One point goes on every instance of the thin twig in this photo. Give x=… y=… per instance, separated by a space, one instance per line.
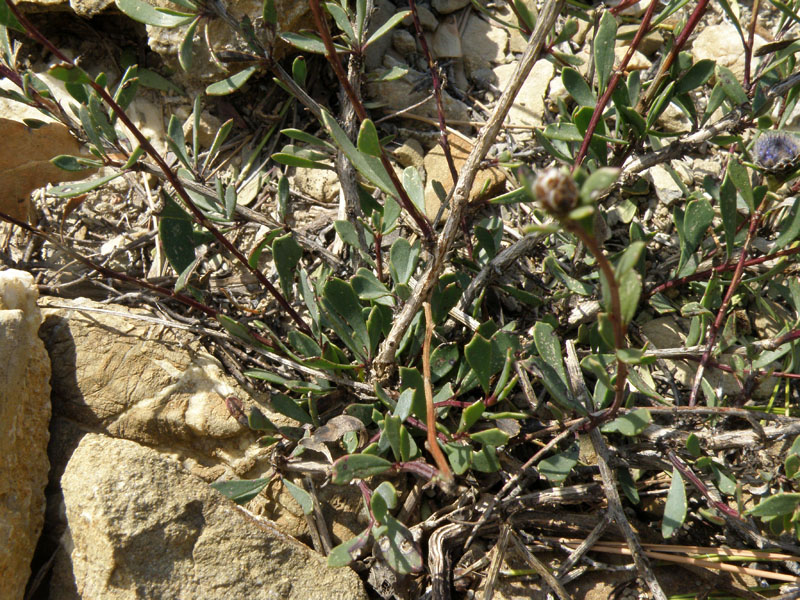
x=384 y=363
x=537 y=566
x=441 y=462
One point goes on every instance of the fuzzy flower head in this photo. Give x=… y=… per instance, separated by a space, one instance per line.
x=556 y=191
x=777 y=152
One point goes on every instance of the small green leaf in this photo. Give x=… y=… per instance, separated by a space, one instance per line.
x=460 y=457
x=630 y=290
x=629 y=424
x=470 y=415
x=257 y=421
x=305 y=42
x=69 y=74
x=345 y=553
x=549 y=348
x=241 y=491
x=697 y=75
x=789 y=227
x=185 y=53
x=443 y=358
x=731 y=86
x=479 y=356
x=412 y=183
x=287 y=407
x=302 y=497
x=177 y=236
x=74 y=163
x=368 y=141
x=485 y=460
x=557 y=467
x=740 y=178
x=779 y=504
x=598 y=182
x=403 y=259
x=347 y=232
x=287 y=254
x=604 y=48
x=232 y=83
x=675 y=508
x=358 y=466
x=344 y=300
x=693 y=445
x=268 y=12
x=149 y=15
x=387 y=26
x=577 y=87
x=397 y=546
x=493 y=437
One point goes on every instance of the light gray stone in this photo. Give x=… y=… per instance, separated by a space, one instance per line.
x=667 y=190
x=24 y=420
x=141 y=526
x=528 y=109
x=445 y=7
x=722 y=44
x=427 y=19
x=484 y=45
x=404 y=42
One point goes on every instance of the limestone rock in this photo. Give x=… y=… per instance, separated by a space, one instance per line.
x=404 y=42
x=399 y=94
x=427 y=19
x=384 y=10
x=490 y=181
x=667 y=190
x=292 y=16
x=322 y=185
x=484 y=45
x=445 y=7
x=445 y=42
x=144 y=382
x=528 y=108
x=409 y=154
x=141 y=526
x=722 y=44
x=25 y=416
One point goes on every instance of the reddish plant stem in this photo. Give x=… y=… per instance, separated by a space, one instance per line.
x=615 y=315
x=338 y=69
x=414 y=422
x=168 y=173
x=112 y=274
x=523 y=26
x=644 y=27
x=437 y=92
x=748 y=47
x=755 y=219
x=379 y=255
x=718 y=269
x=687 y=472
x=430 y=417
x=680 y=42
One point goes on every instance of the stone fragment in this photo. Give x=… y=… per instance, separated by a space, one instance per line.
x=670 y=332
x=25 y=416
x=445 y=7
x=135 y=379
x=407 y=91
x=483 y=44
x=528 y=108
x=638 y=61
x=25 y=162
x=320 y=184
x=404 y=42
x=409 y=154
x=489 y=181
x=427 y=19
x=141 y=526
x=445 y=42
x=649 y=44
x=674 y=119
x=667 y=190
x=721 y=43
x=292 y=16
x=384 y=10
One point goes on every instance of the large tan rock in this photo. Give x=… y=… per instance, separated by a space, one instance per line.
x=141 y=526
x=24 y=418
x=148 y=383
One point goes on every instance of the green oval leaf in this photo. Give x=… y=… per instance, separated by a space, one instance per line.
x=358 y=466
x=232 y=83
x=149 y=15
x=675 y=508
x=241 y=491
x=779 y=504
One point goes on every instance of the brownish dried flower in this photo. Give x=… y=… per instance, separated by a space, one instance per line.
x=556 y=191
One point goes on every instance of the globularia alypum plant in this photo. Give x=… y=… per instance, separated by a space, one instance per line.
x=458 y=375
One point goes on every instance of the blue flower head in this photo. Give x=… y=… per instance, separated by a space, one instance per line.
x=777 y=152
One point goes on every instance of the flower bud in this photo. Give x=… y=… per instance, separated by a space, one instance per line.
x=556 y=191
